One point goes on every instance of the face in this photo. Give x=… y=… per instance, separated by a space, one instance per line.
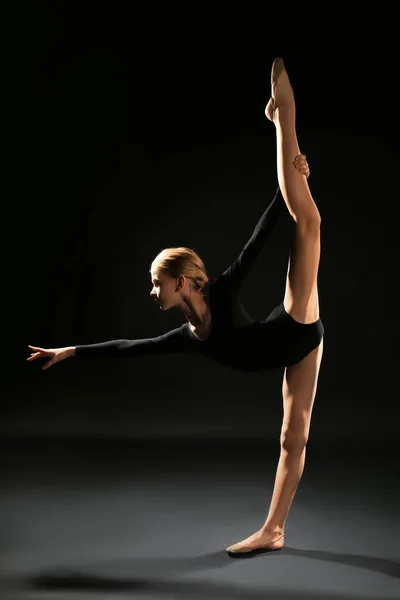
x=164 y=290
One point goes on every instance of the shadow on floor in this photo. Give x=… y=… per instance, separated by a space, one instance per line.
x=153 y=575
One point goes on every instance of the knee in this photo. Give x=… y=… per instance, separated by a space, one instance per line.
x=310 y=223
x=293 y=441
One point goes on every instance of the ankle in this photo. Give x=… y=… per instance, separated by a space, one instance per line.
x=284 y=117
x=274 y=530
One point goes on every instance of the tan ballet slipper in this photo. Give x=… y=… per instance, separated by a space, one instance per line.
x=240 y=548
x=281 y=94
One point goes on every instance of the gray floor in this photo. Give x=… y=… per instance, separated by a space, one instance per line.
x=104 y=519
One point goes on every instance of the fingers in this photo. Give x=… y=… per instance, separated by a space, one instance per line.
x=300 y=161
x=39 y=355
x=300 y=157
x=40 y=352
x=33 y=356
x=301 y=164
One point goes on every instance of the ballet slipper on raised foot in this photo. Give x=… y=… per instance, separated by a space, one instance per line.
x=255 y=546
x=280 y=94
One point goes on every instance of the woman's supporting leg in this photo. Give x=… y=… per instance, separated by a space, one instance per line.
x=298 y=390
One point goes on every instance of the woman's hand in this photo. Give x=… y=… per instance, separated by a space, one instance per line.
x=302 y=165
x=56 y=354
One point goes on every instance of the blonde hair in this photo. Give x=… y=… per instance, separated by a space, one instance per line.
x=182 y=261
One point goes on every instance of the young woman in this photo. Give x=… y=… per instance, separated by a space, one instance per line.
x=218 y=326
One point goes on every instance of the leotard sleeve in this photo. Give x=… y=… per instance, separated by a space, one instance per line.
x=235 y=274
x=171 y=341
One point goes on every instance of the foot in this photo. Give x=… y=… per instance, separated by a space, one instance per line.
x=259 y=541
x=281 y=89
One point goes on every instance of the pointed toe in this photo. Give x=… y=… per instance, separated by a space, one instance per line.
x=278 y=66
x=238 y=549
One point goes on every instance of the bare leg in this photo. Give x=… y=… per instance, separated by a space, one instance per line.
x=301 y=295
x=299 y=389
x=281 y=109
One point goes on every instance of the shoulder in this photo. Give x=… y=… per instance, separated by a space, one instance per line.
x=220 y=282
x=213 y=282
x=172 y=334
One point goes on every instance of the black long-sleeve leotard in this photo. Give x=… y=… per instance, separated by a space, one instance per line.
x=236 y=339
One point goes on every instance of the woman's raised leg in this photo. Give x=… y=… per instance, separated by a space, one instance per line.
x=301 y=294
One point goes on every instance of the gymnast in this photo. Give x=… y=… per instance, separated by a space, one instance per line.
x=217 y=325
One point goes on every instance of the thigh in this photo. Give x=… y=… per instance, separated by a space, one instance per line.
x=301 y=292
x=298 y=390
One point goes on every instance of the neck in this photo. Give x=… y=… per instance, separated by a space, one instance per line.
x=196 y=309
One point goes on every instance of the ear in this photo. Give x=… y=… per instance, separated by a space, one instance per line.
x=180 y=283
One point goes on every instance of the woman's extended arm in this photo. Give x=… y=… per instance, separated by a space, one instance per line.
x=171 y=341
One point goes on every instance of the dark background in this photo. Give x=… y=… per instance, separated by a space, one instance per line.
x=130 y=133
